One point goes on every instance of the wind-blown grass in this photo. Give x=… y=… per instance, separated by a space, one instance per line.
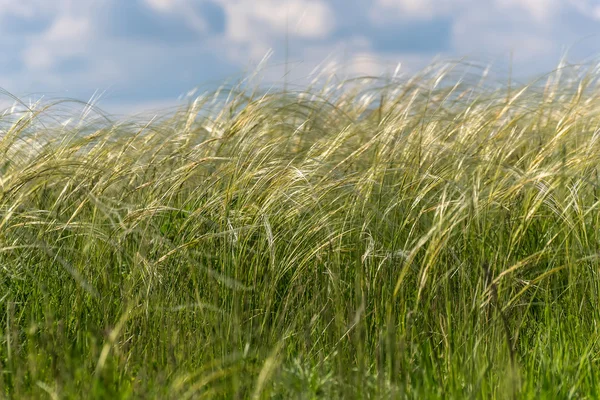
x=436 y=237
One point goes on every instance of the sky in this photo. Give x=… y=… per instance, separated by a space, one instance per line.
x=135 y=55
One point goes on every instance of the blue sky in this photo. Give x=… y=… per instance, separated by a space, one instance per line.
x=144 y=54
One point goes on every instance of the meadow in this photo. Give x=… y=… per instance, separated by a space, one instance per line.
x=432 y=236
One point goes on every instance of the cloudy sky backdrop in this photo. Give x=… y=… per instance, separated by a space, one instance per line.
x=146 y=53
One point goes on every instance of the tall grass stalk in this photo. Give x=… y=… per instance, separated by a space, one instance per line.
x=430 y=237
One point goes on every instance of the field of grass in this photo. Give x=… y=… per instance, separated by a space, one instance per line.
x=430 y=237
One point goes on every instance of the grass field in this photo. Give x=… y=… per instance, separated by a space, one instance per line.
x=430 y=237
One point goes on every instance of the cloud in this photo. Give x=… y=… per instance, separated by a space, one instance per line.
x=162 y=5
x=66 y=37
x=532 y=30
x=153 y=50
x=387 y=10
x=409 y=8
x=135 y=20
x=16 y=25
x=26 y=8
x=302 y=18
x=587 y=7
x=427 y=36
x=259 y=25
x=540 y=10
x=199 y=15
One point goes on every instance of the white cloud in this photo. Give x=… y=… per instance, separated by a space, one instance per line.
x=66 y=37
x=590 y=8
x=30 y=8
x=540 y=10
x=534 y=29
x=412 y=8
x=142 y=109
x=254 y=27
x=260 y=25
x=304 y=18
x=162 y=5
x=493 y=29
x=182 y=8
x=421 y=9
x=366 y=63
x=68 y=28
x=501 y=35
x=19 y=8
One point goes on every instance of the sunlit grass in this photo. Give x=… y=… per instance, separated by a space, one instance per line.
x=431 y=237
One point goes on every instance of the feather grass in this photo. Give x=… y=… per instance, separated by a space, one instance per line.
x=430 y=237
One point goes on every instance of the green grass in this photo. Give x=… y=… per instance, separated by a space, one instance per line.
x=436 y=237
